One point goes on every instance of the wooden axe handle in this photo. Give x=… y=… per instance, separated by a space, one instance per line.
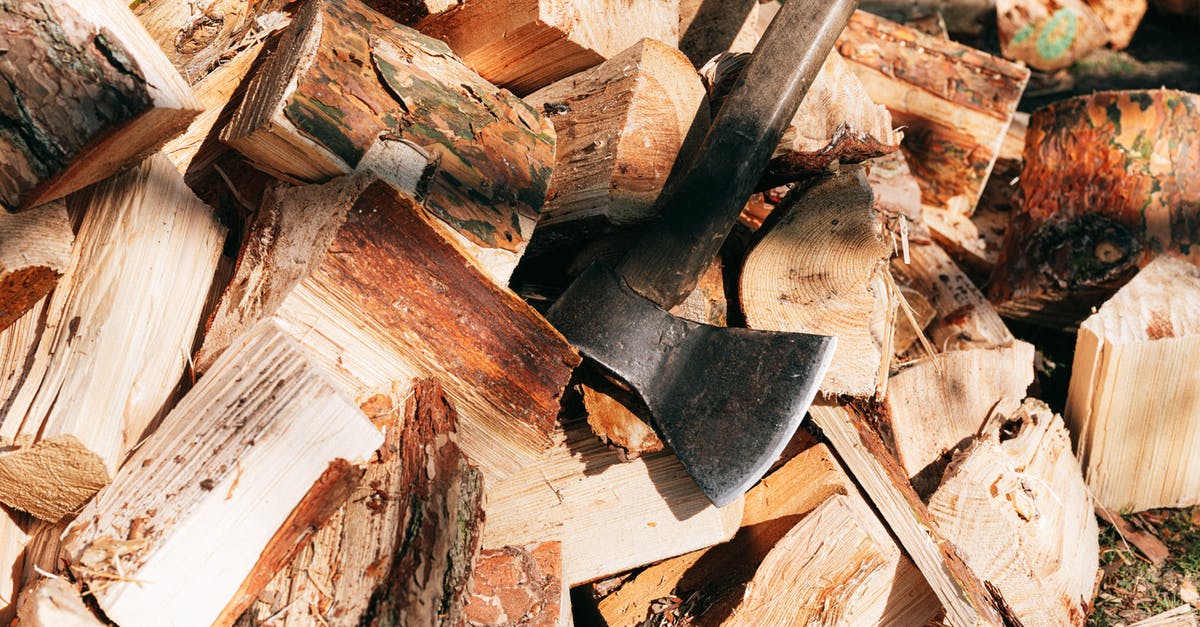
x=672 y=253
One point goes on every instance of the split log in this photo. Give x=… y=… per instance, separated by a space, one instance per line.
x=610 y=516
x=35 y=248
x=1132 y=401
x=708 y=28
x=368 y=283
x=620 y=126
x=197 y=35
x=13 y=538
x=951 y=135
x=963 y=594
x=1015 y=505
x=53 y=602
x=263 y=437
x=966 y=17
x=113 y=340
x=1108 y=184
x=1121 y=19
x=1048 y=34
x=408 y=534
x=836 y=122
x=519 y=585
x=617 y=426
x=720 y=574
x=939 y=403
x=63 y=53
x=1182 y=616
x=528 y=44
x=819 y=271
x=343 y=75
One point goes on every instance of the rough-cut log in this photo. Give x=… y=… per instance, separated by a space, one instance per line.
x=519 y=585
x=525 y=45
x=965 y=319
x=343 y=75
x=197 y=35
x=13 y=538
x=708 y=28
x=113 y=340
x=615 y=425
x=1109 y=183
x=968 y=17
x=1048 y=34
x=1120 y=17
x=719 y=574
x=60 y=56
x=836 y=122
x=954 y=103
x=1132 y=401
x=610 y=516
x=197 y=507
x=35 y=248
x=408 y=533
x=365 y=279
x=819 y=270
x=53 y=602
x=1015 y=505
x=936 y=404
x=620 y=126
x=962 y=591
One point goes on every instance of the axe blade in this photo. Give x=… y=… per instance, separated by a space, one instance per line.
x=726 y=400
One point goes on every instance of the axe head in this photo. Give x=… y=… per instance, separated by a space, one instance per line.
x=726 y=400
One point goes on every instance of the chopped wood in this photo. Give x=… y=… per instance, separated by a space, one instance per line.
x=53 y=602
x=819 y=271
x=620 y=126
x=610 y=516
x=951 y=135
x=1121 y=19
x=962 y=591
x=836 y=122
x=1108 y=184
x=494 y=153
x=1048 y=34
x=63 y=53
x=707 y=303
x=13 y=538
x=35 y=248
x=1132 y=402
x=519 y=585
x=1146 y=543
x=128 y=306
x=938 y=403
x=410 y=12
x=967 y=17
x=708 y=28
x=922 y=312
x=524 y=45
x=615 y=425
x=197 y=35
x=246 y=444
x=366 y=281
x=1015 y=505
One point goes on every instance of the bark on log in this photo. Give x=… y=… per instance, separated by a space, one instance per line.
x=246 y=444
x=113 y=340
x=1110 y=182
x=1048 y=34
x=35 y=249
x=620 y=127
x=519 y=585
x=1132 y=404
x=59 y=55
x=524 y=45
x=344 y=74
x=617 y=426
x=369 y=284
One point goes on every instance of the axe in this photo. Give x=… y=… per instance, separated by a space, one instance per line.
x=726 y=400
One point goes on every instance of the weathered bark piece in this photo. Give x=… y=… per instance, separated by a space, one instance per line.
x=1132 y=401
x=818 y=271
x=1015 y=505
x=524 y=45
x=366 y=281
x=13 y=538
x=962 y=591
x=114 y=338
x=63 y=54
x=343 y=74
x=614 y=424
x=408 y=534
x=938 y=403
x=1145 y=542
x=708 y=28
x=954 y=103
x=238 y=454
x=53 y=602
x=1109 y=183
x=519 y=585
x=35 y=248
x=1120 y=17
x=775 y=505
x=197 y=35
x=836 y=122
x=965 y=319
x=1048 y=34
x=967 y=17
x=620 y=126
x=610 y=516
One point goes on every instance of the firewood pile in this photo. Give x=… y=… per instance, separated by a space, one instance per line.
x=278 y=342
